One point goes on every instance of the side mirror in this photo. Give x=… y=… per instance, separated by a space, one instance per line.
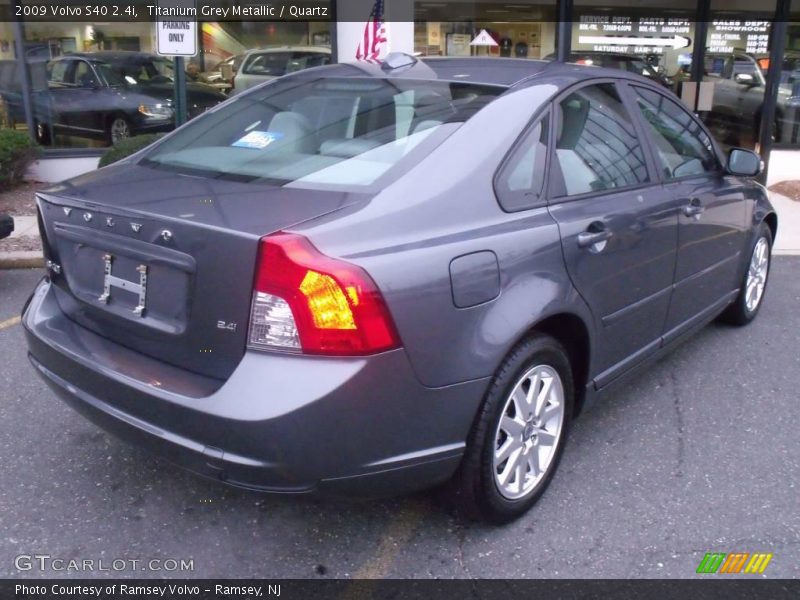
x=745 y=79
x=744 y=162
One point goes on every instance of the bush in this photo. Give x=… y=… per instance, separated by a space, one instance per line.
x=17 y=152
x=126 y=147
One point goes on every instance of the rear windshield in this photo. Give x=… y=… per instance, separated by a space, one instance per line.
x=334 y=131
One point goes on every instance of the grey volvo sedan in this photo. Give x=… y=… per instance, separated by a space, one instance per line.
x=369 y=279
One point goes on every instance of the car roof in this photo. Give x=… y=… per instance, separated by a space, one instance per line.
x=503 y=72
x=267 y=49
x=107 y=55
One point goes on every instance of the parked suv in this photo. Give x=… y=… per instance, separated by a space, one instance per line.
x=111 y=96
x=264 y=64
x=377 y=278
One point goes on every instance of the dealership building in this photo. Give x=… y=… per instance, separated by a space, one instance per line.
x=736 y=63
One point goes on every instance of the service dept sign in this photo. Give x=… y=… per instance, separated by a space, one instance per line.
x=176 y=33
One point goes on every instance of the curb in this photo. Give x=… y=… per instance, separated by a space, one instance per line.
x=22 y=259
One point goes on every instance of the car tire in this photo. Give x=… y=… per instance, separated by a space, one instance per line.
x=754 y=281
x=484 y=487
x=118 y=129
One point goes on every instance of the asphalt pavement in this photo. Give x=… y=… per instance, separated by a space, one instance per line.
x=698 y=454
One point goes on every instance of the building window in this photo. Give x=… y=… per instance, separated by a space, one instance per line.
x=519 y=30
x=94 y=84
x=787 y=109
x=656 y=42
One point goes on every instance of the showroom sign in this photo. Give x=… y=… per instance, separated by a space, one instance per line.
x=176 y=35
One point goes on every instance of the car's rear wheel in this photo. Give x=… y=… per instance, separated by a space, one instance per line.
x=754 y=283
x=517 y=441
x=118 y=129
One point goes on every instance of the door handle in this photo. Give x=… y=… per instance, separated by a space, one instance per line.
x=695 y=208
x=595 y=234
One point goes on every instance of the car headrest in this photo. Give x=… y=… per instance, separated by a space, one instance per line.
x=572 y=120
x=297 y=131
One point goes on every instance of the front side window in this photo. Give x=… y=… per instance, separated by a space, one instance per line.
x=344 y=131
x=683 y=148
x=596 y=144
x=57 y=71
x=84 y=76
x=109 y=75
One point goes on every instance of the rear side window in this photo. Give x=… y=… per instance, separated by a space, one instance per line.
x=683 y=148
x=344 y=131
x=520 y=182
x=597 y=147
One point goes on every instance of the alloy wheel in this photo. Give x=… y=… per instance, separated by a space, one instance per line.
x=757 y=275
x=119 y=130
x=529 y=432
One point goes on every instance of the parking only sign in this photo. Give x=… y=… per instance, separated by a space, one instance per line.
x=176 y=32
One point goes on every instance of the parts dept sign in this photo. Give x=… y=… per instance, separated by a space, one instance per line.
x=176 y=35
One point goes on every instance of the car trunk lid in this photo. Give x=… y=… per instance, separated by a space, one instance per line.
x=163 y=263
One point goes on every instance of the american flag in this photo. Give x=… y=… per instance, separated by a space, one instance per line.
x=369 y=49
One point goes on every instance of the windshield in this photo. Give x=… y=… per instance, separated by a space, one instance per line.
x=330 y=131
x=111 y=77
x=146 y=72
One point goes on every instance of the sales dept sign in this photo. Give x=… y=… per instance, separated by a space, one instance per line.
x=175 y=34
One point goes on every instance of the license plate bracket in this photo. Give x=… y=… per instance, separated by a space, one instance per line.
x=110 y=281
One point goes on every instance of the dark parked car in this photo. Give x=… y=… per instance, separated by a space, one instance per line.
x=156 y=75
x=739 y=86
x=6 y=226
x=112 y=95
x=371 y=279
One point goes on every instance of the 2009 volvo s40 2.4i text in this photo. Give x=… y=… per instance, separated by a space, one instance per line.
x=368 y=279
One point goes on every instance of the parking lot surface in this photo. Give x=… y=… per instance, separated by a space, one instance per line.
x=700 y=453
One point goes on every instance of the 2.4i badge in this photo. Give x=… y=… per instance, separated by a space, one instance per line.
x=110 y=280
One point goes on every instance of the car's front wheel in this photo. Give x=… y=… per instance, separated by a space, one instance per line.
x=754 y=283
x=118 y=129
x=518 y=438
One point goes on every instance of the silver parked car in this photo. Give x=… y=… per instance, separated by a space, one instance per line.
x=370 y=279
x=258 y=66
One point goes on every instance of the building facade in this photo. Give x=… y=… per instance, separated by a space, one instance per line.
x=734 y=62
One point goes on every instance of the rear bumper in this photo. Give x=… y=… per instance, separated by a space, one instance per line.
x=280 y=423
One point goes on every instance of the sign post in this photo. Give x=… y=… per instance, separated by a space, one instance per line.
x=176 y=36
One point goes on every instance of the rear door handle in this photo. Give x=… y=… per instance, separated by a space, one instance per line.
x=695 y=208
x=596 y=234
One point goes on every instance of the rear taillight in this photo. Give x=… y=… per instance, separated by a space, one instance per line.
x=308 y=302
